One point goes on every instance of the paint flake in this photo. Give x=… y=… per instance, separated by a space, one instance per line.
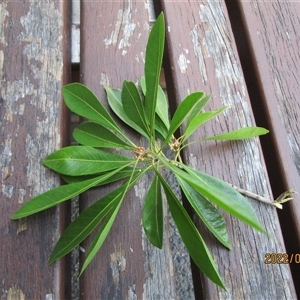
x=183 y=63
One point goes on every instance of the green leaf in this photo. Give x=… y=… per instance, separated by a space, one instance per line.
x=105 y=228
x=133 y=106
x=239 y=134
x=74 y=179
x=82 y=101
x=228 y=198
x=115 y=103
x=160 y=128
x=210 y=216
x=183 y=111
x=102 y=234
x=84 y=160
x=124 y=173
x=152 y=215
x=198 y=108
x=85 y=223
x=219 y=192
x=199 y=120
x=88 y=220
x=95 y=135
x=162 y=105
x=191 y=237
x=153 y=61
x=58 y=195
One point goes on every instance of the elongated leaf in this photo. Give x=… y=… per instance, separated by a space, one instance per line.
x=58 y=195
x=162 y=105
x=74 y=179
x=115 y=103
x=95 y=135
x=182 y=111
x=199 y=120
x=152 y=215
x=239 y=134
x=124 y=173
x=102 y=234
x=83 y=102
x=219 y=192
x=191 y=237
x=198 y=108
x=105 y=228
x=210 y=216
x=153 y=61
x=85 y=223
x=84 y=160
x=133 y=106
x=160 y=128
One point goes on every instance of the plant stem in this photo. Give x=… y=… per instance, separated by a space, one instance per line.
x=284 y=197
x=257 y=197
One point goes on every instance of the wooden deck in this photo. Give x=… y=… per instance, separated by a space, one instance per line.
x=34 y=64
x=245 y=54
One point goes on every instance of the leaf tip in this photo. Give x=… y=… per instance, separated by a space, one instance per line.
x=14 y=216
x=19 y=214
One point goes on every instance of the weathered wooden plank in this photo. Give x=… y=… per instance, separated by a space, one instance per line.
x=33 y=66
x=270 y=51
x=113 y=41
x=203 y=56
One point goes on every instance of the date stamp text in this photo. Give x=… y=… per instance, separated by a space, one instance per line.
x=282 y=258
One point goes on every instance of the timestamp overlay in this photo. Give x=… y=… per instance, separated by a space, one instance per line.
x=282 y=258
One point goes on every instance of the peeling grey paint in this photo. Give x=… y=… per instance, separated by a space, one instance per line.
x=128 y=27
x=43 y=53
x=22 y=194
x=104 y=80
x=117 y=264
x=15 y=293
x=200 y=51
x=49 y=297
x=31 y=69
x=124 y=24
x=22 y=225
x=43 y=45
x=6 y=153
x=112 y=40
x=230 y=82
x=183 y=63
x=217 y=41
x=132 y=293
x=3 y=14
x=140 y=58
x=1 y=63
x=250 y=178
x=7 y=190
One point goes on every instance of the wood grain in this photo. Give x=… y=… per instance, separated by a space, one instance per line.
x=34 y=47
x=272 y=38
x=203 y=56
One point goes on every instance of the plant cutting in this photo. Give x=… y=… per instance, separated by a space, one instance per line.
x=91 y=163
